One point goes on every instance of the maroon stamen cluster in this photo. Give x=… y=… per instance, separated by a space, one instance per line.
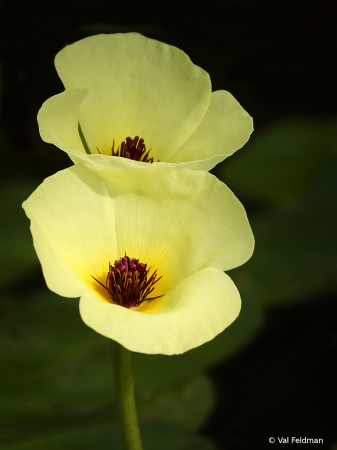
x=132 y=149
x=127 y=282
x=135 y=147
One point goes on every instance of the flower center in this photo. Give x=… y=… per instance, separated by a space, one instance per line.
x=127 y=282
x=132 y=149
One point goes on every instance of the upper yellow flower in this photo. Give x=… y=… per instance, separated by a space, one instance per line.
x=126 y=237
x=123 y=86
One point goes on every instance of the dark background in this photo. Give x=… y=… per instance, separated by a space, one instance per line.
x=279 y=60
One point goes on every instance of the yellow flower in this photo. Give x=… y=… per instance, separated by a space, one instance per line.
x=182 y=226
x=123 y=86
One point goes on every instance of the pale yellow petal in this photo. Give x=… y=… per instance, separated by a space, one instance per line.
x=137 y=86
x=178 y=221
x=225 y=128
x=185 y=224
x=58 y=119
x=73 y=226
x=59 y=277
x=203 y=164
x=96 y=163
x=191 y=313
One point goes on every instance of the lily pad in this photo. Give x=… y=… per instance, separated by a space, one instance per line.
x=279 y=163
x=296 y=246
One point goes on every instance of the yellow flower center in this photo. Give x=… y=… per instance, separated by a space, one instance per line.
x=127 y=282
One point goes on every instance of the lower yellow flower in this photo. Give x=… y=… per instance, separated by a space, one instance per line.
x=145 y=250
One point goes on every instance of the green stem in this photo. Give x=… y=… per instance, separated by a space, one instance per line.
x=84 y=142
x=124 y=387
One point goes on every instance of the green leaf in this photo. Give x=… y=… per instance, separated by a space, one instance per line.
x=187 y=405
x=68 y=376
x=107 y=437
x=67 y=368
x=280 y=162
x=296 y=247
x=17 y=254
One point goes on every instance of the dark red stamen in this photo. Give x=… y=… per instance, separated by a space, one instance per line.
x=132 y=149
x=127 y=282
x=135 y=150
